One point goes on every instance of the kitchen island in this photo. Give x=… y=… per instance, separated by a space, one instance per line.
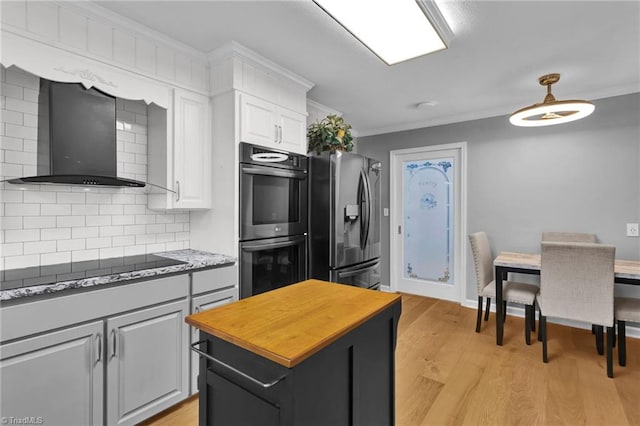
x=309 y=353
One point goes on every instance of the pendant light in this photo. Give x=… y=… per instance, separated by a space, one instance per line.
x=550 y=111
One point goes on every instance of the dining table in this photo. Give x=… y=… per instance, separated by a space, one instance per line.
x=625 y=272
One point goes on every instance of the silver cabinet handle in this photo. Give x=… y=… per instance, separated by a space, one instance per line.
x=235 y=370
x=177 y=190
x=276 y=126
x=99 y=350
x=197 y=309
x=114 y=337
x=280 y=138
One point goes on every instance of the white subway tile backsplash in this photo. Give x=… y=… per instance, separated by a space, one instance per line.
x=80 y=255
x=84 y=209
x=93 y=243
x=21 y=157
x=55 y=234
x=106 y=253
x=85 y=232
x=22 y=209
x=134 y=250
x=111 y=209
x=53 y=258
x=135 y=209
x=123 y=240
x=156 y=228
x=22 y=261
x=11 y=249
x=134 y=229
x=123 y=199
x=11 y=117
x=33 y=222
x=71 y=198
x=10 y=170
x=39 y=197
x=12 y=91
x=154 y=248
x=71 y=221
x=10 y=222
x=143 y=239
x=21 y=235
x=99 y=220
x=72 y=245
x=75 y=223
x=40 y=247
x=21 y=106
x=98 y=198
x=123 y=220
x=110 y=231
x=55 y=209
x=9 y=196
x=13 y=144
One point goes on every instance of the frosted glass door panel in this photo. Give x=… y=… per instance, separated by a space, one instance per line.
x=428 y=219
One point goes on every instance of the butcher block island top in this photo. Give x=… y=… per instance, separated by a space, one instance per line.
x=290 y=324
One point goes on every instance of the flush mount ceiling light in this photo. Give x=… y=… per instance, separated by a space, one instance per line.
x=551 y=111
x=394 y=30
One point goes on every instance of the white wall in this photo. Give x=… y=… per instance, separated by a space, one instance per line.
x=48 y=224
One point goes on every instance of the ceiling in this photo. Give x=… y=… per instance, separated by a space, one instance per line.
x=498 y=51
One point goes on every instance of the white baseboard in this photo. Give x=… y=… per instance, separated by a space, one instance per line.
x=632 y=331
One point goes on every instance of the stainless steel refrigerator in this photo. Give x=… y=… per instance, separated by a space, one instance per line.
x=344 y=219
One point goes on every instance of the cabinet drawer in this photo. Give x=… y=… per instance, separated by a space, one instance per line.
x=214 y=279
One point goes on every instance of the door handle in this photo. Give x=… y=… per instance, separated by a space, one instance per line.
x=177 y=190
x=114 y=341
x=99 y=350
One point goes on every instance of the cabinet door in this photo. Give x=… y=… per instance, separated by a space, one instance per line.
x=258 y=122
x=55 y=378
x=203 y=303
x=293 y=131
x=191 y=150
x=147 y=362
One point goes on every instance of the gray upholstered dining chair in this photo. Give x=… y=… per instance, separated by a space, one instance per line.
x=569 y=237
x=513 y=292
x=577 y=237
x=625 y=309
x=576 y=283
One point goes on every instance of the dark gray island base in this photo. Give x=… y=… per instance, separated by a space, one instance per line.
x=348 y=381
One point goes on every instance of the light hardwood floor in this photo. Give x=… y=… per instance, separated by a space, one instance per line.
x=448 y=374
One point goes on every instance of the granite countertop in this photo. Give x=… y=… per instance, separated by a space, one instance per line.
x=194 y=259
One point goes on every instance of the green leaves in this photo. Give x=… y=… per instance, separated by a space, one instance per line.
x=330 y=134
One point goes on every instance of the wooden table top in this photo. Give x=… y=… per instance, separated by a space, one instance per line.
x=291 y=323
x=623 y=268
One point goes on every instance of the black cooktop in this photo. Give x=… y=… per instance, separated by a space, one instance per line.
x=50 y=274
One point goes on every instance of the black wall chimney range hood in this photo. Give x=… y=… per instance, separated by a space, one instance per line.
x=76 y=138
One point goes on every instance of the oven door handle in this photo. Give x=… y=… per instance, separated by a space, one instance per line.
x=291 y=174
x=259 y=247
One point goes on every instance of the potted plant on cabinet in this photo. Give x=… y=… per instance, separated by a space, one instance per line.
x=330 y=134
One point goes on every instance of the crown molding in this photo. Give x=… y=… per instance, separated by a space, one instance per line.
x=233 y=49
x=322 y=108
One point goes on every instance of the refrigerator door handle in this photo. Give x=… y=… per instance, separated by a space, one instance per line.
x=359 y=270
x=367 y=193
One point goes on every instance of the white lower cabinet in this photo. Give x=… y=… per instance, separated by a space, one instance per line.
x=203 y=303
x=55 y=378
x=147 y=362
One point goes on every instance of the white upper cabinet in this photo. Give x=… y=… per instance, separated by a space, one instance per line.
x=264 y=123
x=179 y=150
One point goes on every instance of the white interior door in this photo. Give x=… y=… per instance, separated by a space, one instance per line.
x=427 y=221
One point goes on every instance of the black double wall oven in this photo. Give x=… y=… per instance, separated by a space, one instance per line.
x=273 y=219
